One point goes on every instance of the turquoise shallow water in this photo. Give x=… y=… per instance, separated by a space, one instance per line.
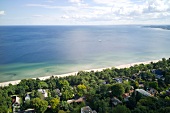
x=34 y=51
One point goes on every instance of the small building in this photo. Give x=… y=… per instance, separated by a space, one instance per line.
x=79 y=100
x=27 y=97
x=118 y=80
x=15 y=104
x=134 y=76
x=94 y=111
x=152 y=91
x=15 y=99
x=168 y=92
x=70 y=101
x=143 y=92
x=157 y=71
x=86 y=109
x=141 y=85
x=58 y=92
x=115 y=101
x=44 y=92
x=158 y=76
x=29 y=111
x=126 y=97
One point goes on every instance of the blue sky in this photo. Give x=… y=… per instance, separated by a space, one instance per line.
x=84 y=12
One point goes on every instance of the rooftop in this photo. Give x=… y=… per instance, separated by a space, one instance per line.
x=86 y=109
x=143 y=92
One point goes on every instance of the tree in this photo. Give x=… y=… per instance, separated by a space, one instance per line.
x=121 y=109
x=54 y=104
x=61 y=111
x=164 y=110
x=63 y=83
x=43 y=85
x=131 y=104
x=39 y=105
x=5 y=101
x=117 y=90
x=153 y=85
x=67 y=94
x=167 y=79
x=81 y=89
x=3 y=109
x=39 y=95
x=140 y=109
x=26 y=104
x=64 y=105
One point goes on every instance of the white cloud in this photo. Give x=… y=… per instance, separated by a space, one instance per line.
x=75 y=1
x=50 y=1
x=2 y=12
x=65 y=17
x=112 y=2
x=111 y=10
x=158 y=5
x=37 y=15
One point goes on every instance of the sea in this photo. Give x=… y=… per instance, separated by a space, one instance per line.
x=36 y=51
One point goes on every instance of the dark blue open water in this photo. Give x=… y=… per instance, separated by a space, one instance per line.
x=33 y=51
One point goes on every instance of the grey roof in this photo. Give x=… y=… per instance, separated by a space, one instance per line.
x=116 y=101
x=143 y=92
x=119 y=80
x=86 y=109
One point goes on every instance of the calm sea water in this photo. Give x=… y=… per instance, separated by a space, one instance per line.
x=33 y=51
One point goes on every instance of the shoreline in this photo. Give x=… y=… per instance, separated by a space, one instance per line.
x=15 y=82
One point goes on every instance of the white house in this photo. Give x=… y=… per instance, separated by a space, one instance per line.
x=44 y=92
x=27 y=97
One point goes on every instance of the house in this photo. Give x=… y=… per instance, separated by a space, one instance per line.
x=29 y=111
x=27 y=97
x=15 y=99
x=126 y=79
x=152 y=91
x=94 y=111
x=141 y=85
x=115 y=101
x=87 y=109
x=15 y=104
x=44 y=92
x=158 y=76
x=143 y=92
x=81 y=99
x=134 y=76
x=118 y=80
x=168 y=92
x=58 y=92
x=126 y=96
x=70 y=101
x=157 y=71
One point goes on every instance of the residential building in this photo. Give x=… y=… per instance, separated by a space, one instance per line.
x=86 y=109
x=115 y=101
x=143 y=92
x=27 y=97
x=44 y=92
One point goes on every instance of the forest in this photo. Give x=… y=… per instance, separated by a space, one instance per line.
x=109 y=91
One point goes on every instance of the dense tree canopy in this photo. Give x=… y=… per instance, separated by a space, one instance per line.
x=117 y=90
x=54 y=104
x=39 y=105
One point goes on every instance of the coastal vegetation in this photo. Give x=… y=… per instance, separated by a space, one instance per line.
x=138 y=89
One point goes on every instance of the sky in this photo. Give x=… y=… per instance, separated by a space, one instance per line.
x=84 y=12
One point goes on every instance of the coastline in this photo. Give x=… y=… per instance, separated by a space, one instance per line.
x=15 y=82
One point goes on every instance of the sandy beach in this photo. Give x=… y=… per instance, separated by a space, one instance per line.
x=75 y=73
